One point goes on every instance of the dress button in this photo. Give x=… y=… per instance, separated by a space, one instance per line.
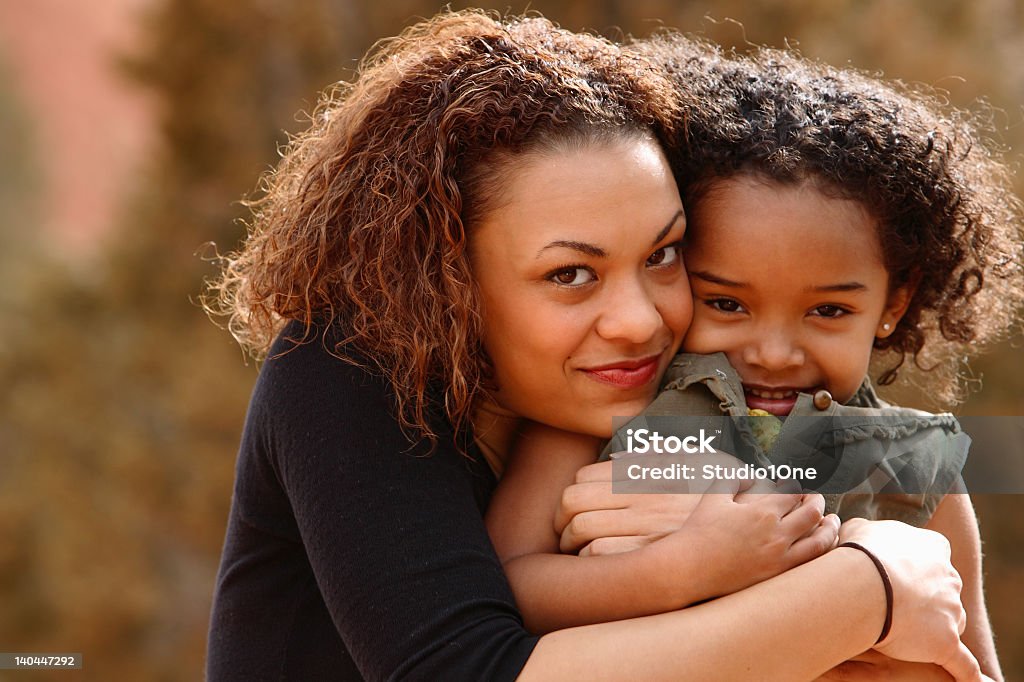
x=822 y=400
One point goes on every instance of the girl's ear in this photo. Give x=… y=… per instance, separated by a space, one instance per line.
x=896 y=306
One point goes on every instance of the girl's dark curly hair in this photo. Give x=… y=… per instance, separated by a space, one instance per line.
x=364 y=222
x=947 y=216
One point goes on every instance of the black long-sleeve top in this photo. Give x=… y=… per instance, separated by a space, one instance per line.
x=351 y=554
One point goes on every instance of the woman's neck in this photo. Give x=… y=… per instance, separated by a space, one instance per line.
x=495 y=430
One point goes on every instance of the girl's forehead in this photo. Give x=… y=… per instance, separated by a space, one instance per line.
x=781 y=210
x=748 y=225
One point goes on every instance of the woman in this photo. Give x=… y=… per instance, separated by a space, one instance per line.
x=407 y=349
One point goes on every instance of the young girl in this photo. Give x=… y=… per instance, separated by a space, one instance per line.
x=834 y=222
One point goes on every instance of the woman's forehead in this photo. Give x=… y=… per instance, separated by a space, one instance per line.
x=578 y=195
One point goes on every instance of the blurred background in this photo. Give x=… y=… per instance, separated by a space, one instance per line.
x=130 y=129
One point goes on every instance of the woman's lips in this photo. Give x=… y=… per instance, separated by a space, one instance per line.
x=626 y=374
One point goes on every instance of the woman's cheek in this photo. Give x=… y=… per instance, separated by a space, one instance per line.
x=676 y=308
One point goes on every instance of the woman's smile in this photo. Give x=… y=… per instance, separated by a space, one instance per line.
x=628 y=373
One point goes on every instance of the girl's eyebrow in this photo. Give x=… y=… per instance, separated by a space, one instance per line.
x=844 y=286
x=715 y=279
x=597 y=251
x=721 y=281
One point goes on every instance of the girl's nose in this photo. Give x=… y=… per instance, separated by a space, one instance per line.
x=774 y=350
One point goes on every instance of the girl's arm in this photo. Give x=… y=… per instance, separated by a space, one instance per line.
x=723 y=547
x=955 y=519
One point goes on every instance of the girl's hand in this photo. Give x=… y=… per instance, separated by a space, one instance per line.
x=593 y=520
x=748 y=542
x=748 y=537
x=927 y=617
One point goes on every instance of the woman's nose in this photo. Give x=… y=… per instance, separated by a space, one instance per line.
x=630 y=314
x=774 y=350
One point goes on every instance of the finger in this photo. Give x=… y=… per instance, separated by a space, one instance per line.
x=599 y=471
x=722 y=486
x=614 y=545
x=779 y=503
x=589 y=526
x=802 y=520
x=751 y=485
x=817 y=502
x=788 y=486
x=816 y=543
x=834 y=518
x=759 y=487
x=583 y=497
x=963 y=666
x=850 y=529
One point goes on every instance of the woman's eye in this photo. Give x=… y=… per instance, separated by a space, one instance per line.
x=572 y=277
x=725 y=305
x=666 y=255
x=830 y=311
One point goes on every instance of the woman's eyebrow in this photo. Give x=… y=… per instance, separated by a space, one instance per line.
x=597 y=251
x=582 y=247
x=665 y=230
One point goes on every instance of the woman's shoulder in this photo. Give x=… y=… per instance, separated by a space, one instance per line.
x=310 y=366
x=316 y=396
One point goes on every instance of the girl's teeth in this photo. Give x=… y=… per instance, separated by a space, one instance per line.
x=773 y=395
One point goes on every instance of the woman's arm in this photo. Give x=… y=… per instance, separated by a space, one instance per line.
x=347 y=541
x=955 y=519
x=792 y=627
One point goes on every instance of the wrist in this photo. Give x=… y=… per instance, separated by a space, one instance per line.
x=865 y=574
x=886 y=586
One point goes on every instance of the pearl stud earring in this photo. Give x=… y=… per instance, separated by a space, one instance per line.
x=886 y=326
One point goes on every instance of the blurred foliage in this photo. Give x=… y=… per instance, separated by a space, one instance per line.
x=123 y=404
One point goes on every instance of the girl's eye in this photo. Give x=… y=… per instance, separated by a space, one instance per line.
x=666 y=255
x=725 y=305
x=830 y=311
x=572 y=277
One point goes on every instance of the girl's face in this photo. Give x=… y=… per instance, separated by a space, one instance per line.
x=584 y=294
x=790 y=284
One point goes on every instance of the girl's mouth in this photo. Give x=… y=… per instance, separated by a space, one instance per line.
x=774 y=400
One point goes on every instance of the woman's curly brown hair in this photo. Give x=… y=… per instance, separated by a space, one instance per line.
x=942 y=198
x=364 y=222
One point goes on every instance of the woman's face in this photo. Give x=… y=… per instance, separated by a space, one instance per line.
x=585 y=298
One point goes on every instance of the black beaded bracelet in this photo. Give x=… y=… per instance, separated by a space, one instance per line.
x=886 y=583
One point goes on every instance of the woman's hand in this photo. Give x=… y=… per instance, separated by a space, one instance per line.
x=873 y=666
x=927 y=616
